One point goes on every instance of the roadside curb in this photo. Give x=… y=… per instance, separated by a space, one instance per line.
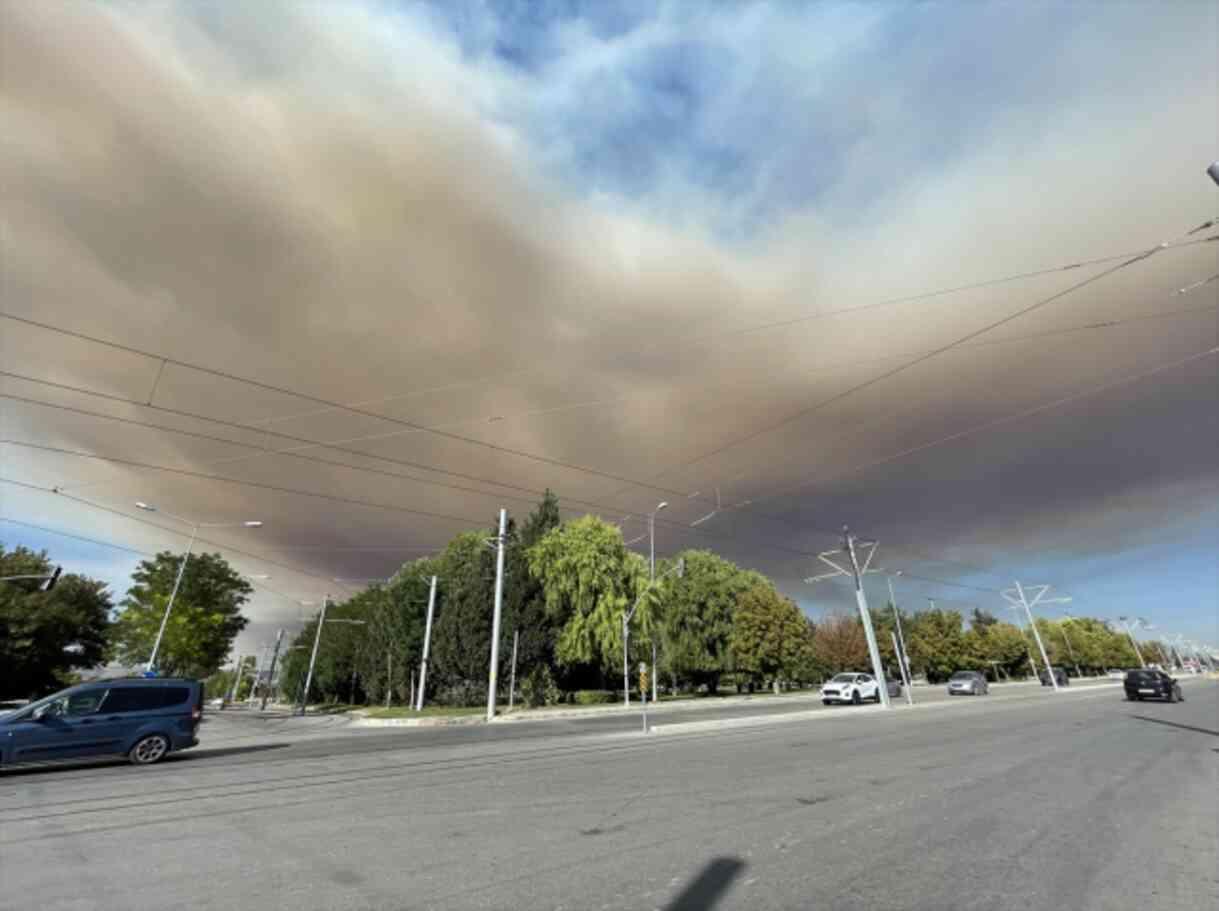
x=688 y=727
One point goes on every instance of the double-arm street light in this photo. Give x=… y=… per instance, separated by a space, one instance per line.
x=194 y=533
x=49 y=578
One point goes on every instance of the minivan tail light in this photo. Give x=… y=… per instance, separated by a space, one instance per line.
x=196 y=713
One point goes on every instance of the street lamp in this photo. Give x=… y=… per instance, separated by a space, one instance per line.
x=679 y=569
x=49 y=578
x=194 y=526
x=652 y=577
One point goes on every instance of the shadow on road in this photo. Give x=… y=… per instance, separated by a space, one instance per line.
x=1174 y=724
x=706 y=889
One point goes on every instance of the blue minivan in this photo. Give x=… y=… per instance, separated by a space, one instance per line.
x=142 y=719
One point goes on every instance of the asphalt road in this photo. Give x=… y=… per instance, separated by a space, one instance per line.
x=1024 y=801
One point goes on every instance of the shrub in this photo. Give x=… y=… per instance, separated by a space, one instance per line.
x=539 y=689
x=594 y=697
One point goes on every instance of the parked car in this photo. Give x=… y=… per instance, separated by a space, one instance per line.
x=1115 y=674
x=142 y=719
x=1152 y=684
x=854 y=688
x=1060 y=677
x=968 y=683
x=893 y=686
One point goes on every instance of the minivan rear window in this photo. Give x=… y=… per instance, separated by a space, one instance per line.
x=174 y=695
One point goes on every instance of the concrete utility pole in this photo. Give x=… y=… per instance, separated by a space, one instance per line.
x=266 y=694
x=317 y=640
x=1016 y=597
x=493 y=672
x=516 y=638
x=389 y=675
x=427 y=644
x=850 y=546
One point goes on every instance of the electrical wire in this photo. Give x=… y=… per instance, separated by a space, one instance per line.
x=558 y=463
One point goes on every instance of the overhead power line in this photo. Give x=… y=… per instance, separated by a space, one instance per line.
x=131 y=550
x=507 y=450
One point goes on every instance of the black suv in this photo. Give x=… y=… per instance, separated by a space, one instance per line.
x=1152 y=684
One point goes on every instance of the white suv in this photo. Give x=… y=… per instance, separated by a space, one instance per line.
x=853 y=688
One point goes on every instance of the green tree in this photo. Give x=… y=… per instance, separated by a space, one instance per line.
x=461 y=632
x=981 y=619
x=999 y=648
x=770 y=636
x=696 y=629
x=525 y=611
x=589 y=579
x=936 y=641
x=206 y=615
x=46 y=636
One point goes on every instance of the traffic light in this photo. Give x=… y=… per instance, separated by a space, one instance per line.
x=53 y=579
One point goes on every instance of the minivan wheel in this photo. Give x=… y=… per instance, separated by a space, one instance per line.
x=149 y=749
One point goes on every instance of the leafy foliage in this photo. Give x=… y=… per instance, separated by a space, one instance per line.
x=696 y=629
x=206 y=615
x=587 y=577
x=770 y=636
x=45 y=636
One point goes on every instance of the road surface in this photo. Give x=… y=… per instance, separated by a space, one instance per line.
x=1023 y=800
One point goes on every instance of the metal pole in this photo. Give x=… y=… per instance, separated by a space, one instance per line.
x=1134 y=642
x=493 y=672
x=389 y=675
x=899 y=646
x=231 y=696
x=1071 y=651
x=412 y=700
x=901 y=669
x=516 y=637
x=1049 y=668
x=317 y=639
x=626 y=667
x=266 y=694
x=861 y=598
x=651 y=582
x=156 y=646
x=427 y=644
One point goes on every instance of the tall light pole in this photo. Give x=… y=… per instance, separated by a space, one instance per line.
x=678 y=570
x=194 y=533
x=266 y=693
x=1126 y=625
x=1067 y=639
x=903 y=663
x=652 y=577
x=493 y=671
x=850 y=547
x=427 y=645
x=1017 y=598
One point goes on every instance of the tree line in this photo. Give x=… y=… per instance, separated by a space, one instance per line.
x=567 y=586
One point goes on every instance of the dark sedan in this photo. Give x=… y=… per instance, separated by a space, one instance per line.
x=1152 y=684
